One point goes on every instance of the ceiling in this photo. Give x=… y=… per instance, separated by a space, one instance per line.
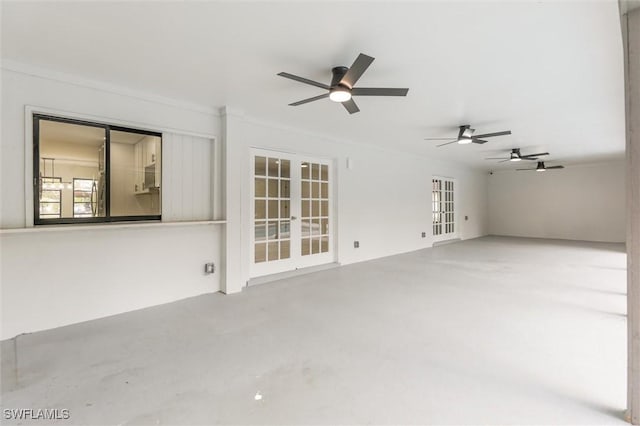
x=551 y=71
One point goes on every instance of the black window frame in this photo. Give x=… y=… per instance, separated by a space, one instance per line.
x=84 y=220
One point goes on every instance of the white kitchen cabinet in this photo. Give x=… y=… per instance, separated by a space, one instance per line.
x=147 y=155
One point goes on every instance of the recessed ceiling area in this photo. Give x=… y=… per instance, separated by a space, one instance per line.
x=549 y=71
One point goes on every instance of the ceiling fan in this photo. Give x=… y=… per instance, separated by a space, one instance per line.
x=516 y=156
x=465 y=136
x=541 y=167
x=341 y=88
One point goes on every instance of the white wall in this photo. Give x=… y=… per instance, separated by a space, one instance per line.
x=54 y=278
x=383 y=201
x=582 y=202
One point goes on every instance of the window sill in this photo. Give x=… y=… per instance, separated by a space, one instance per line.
x=100 y=226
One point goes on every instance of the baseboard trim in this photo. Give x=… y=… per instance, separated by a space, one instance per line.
x=445 y=242
x=288 y=274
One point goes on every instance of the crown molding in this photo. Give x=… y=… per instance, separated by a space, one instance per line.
x=53 y=75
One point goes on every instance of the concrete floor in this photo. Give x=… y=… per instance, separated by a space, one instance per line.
x=487 y=331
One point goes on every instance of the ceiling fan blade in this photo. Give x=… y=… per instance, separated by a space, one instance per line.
x=378 y=91
x=474 y=140
x=497 y=158
x=524 y=169
x=306 y=101
x=351 y=106
x=529 y=158
x=491 y=135
x=443 y=144
x=439 y=139
x=555 y=167
x=358 y=68
x=504 y=161
x=303 y=80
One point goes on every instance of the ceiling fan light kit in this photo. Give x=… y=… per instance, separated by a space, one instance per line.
x=340 y=94
x=342 y=85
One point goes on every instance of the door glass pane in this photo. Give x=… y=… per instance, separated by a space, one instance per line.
x=273 y=202
x=272 y=230
x=284 y=209
x=285 y=249
x=284 y=188
x=443 y=207
x=273 y=188
x=324 y=228
x=51 y=198
x=273 y=167
x=324 y=172
x=324 y=211
x=306 y=227
x=285 y=229
x=273 y=208
x=324 y=190
x=324 y=244
x=314 y=209
x=84 y=197
x=285 y=166
x=261 y=209
x=305 y=189
x=273 y=251
x=306 y=246
x=260 y=254
x=261 y=166
x=261 y=187
x=260 y=231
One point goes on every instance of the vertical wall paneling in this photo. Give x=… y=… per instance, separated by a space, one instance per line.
x=187 y=170
x=187 y=173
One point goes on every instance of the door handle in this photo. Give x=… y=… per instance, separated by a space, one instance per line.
x=293 y=218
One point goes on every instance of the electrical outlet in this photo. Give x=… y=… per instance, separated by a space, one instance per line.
x=424 y=235
x=356 y=244
x=209 y=268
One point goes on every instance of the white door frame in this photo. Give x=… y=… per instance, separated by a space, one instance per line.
x=444 y=236
x=296 y=260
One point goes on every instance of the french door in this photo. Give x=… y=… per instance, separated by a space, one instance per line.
x=443 y=206
x=291 y=211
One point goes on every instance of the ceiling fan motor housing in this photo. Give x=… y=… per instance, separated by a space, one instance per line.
x=338 y=73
